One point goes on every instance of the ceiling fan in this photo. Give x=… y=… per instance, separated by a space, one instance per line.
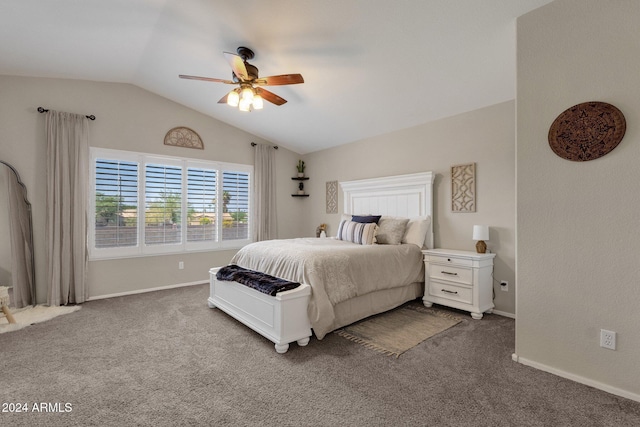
x=249 y=93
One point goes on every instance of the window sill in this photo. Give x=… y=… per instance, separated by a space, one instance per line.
x=93 y=258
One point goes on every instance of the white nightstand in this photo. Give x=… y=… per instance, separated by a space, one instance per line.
x=459 y=279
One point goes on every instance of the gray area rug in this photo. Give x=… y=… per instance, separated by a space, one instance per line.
x=396 y=331
x=166 y=359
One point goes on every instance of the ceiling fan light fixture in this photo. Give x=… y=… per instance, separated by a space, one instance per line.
x=233 y=98
x=258 y=104
x=247 y=93
x=244 y=105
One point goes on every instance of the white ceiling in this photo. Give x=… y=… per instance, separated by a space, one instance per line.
x=370 y=66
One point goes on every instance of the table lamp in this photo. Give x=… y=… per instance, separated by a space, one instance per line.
x=481 y=233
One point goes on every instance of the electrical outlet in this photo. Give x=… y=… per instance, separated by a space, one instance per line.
x=181 y=265
x=504 y=286
x=607 y=339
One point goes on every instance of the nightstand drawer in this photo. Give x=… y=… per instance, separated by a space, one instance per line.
x=449 y=260
x=450 y=272
x=451 y=292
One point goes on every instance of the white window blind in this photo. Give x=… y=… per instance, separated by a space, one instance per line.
x=201 y=205
x=163 y=204
x=145 y=204
x=235 y=205
x=116 y=203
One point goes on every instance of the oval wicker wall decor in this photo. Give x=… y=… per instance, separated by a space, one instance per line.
x=587 y=131
x=183 y=137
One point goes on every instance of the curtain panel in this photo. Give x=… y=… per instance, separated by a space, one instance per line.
x=66 y=202
x=265 y=222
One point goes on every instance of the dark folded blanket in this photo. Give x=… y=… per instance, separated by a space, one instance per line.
x=254 y=279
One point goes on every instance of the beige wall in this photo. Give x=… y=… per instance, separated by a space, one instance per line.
x=128 y=118
x=578 y=238
x=484 y=136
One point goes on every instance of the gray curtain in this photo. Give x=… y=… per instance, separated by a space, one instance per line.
x=66 y=223
x=265 y=195
x=20 y=237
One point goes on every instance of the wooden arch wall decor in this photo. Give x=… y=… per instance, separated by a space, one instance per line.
x=183 y=137
x=587 y=131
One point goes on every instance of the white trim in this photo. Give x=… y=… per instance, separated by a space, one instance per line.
x=144 y=291
x=141 y=249
x=576 y=378
x=504 y=314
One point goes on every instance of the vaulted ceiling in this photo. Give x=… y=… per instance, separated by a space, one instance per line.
x=370 y=66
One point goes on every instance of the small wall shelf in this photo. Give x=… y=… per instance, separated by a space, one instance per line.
x=300 y=186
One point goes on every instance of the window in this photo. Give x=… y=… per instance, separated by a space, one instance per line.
x=116 y=203
x=144 y=204
x=163 y=204
x=202 y=205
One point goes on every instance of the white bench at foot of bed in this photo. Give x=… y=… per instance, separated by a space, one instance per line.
x=282 y=319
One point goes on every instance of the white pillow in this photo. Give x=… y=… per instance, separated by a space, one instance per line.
x=357 y=232
x=416 y=230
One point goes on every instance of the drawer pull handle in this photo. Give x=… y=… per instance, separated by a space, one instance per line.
x=450 y=274
x=449 y=292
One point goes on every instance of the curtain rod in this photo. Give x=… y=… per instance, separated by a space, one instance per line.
x=44 y=110
x=253 y=144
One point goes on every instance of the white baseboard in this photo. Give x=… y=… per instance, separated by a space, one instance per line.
x=504 y=314
x=577 y=378
x=143 y=291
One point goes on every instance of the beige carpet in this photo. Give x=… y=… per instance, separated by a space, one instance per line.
x=396 y=331
x=31 y=315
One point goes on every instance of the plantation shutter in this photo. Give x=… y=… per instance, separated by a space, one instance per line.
x=116 y=203
x=235 y=205
x=163 y=204
x=201 y=205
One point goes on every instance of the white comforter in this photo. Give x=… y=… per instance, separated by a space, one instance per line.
x=336 y=270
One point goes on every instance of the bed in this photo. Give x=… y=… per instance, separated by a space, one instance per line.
x=348 y=280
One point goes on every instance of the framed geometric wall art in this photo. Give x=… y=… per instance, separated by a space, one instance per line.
x=463 y=188
x=332 y=197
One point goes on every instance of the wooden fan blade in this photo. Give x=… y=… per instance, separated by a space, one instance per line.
x=270 y=96
x=283 y=79
x=237 y=65
x=207 y=79
x=223 y=100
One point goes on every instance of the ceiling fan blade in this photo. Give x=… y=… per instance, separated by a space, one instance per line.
x=283 y=79
x=206 y=79
x=237 y=65
x=223 y=100
x=270 y=96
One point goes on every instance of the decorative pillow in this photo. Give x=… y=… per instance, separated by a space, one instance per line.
x=416 y=230
x=391 y=230
x=366 y=218
x=357 y=232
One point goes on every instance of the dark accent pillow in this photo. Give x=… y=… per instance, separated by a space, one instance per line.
x=366 y=218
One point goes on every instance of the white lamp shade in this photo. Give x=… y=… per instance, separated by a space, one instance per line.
x=244 y=105
x=257 y=102
x=233 y=98
x=480 y=232
x=247 y=93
